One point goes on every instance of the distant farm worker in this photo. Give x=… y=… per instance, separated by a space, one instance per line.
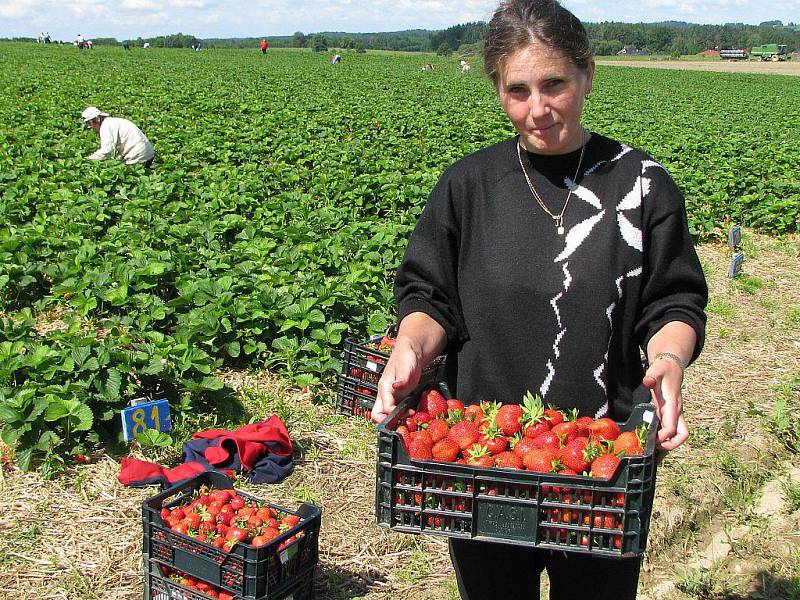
x=336 y=59
x=549 y=262
x=264 y=46
x=119 y=138
x=465 y=66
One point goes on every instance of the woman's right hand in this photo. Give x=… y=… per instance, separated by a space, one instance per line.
x=399 y=379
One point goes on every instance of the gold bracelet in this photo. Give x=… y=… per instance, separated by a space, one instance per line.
x=675 y=357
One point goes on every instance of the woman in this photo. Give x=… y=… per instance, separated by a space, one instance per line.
x=548 y=263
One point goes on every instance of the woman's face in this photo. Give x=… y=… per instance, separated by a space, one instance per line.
x=542 y=93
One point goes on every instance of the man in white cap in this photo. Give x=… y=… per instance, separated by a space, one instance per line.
x=118 y=138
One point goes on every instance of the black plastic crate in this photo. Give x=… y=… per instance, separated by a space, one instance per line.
x=365 y=364
x=247 y=571
x=159 y=586
x=561 y=512
x=354 y=397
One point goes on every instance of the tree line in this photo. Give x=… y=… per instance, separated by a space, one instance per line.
x=671 y=37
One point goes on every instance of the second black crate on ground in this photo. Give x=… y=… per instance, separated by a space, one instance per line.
x=249 y=572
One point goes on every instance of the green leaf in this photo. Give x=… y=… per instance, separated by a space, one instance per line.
x=78 y=415
x=113 y=383
x=233 y=349
x=151 y=438
x=378 y=324
x=211 y=383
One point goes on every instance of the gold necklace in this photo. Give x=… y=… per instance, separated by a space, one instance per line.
x=559 y=218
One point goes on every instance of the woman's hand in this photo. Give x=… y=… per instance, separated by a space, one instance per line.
x=664 y=379
x=420 y=339
x=399 y=379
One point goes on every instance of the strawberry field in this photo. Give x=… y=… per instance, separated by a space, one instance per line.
x=282 y=197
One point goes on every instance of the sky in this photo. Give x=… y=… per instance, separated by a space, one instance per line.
x=128 y=19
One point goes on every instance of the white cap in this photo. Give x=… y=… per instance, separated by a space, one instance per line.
x=92 y=112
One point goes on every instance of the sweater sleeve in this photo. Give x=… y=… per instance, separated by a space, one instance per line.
x=674 y=287
x=427 y=279
x=107 y=145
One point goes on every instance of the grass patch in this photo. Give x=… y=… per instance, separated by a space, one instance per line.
x=415 y=569
x=702 y=583
x=749 y=283
x=793 y=316
x=721 y=308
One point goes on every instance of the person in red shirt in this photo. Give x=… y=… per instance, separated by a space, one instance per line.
x=263 y=46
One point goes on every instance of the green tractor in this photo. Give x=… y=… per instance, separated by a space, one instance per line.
x=773 y=52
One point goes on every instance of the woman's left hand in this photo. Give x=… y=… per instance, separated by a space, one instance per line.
x=664 y=378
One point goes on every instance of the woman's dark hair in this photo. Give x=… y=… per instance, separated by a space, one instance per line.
x=517 y=23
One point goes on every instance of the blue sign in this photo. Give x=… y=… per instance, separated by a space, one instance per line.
x=735 y=237
x=146 y=415
x=736 y=265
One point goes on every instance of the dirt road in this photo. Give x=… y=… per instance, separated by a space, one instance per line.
x=783 y=68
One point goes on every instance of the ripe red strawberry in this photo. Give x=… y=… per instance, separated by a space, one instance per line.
x=419 y=450
x=548 y=439
x=553 y=415
x=433 y=403
x=465 y=433
x=494 y=439
x=541 y=460
x=508 y=460
x=507 y=419
x=568 y=471
x=533 y=421
x=583 y=426
x=604 y=429
x=578 y=454
x=473 y=412
x=522 y=445
x=479 y=456
x=422 y=435
x=566 y=431
x=604 y=466
x=631 y=442
x=454 y=404
x=446 y=450
x=438 y=429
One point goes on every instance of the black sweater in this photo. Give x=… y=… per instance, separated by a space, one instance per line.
x=565 y=316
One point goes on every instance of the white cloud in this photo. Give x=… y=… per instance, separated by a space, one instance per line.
x=18 y=9
x=139 y=4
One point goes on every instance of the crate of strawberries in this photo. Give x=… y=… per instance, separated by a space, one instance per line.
x=166 y=583
x=522 y=474
x=241 y=545
x=362 y=367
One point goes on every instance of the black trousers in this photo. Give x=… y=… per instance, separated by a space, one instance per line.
x=487 y=571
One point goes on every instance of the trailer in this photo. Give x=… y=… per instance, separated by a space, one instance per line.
x=773 y=52
x=733 y=54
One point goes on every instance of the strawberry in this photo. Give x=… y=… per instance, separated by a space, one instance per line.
x=508 y=460
x=445 y=450
x=568 y=471
x=490 y=409
x=553 y=415
x=604 y=429
x=438 y=429
x=494 y=439
x=464 y=433
x=578 y=454
x=419 y=450
x=631 y=442
x=479 y=456
x=566 y=431
x=583 y=426
x=423 y=435
x=541 y=460
x=604 y=466
x=522 y=445
x=547 y=439
x=533 y=421
x=472 y=412
x=508 y=417
x=433 y=403
x=454 y=404
x=422 y=417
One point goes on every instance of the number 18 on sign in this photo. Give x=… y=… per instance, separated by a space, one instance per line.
x=145 y=415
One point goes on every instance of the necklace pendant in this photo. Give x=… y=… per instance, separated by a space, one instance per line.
x=560 y=230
